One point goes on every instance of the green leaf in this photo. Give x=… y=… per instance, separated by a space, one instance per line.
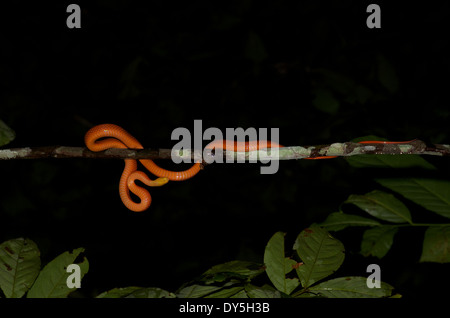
x=433 y=195
x=325 y=101
x=338 y=221
x=118 y=292
x=378 y=241
x=196 y=291
x=307 y=294
x=6 y=134
x=436 y=245
x=362 y=94
x=389 y=161
x=226 y=292
x=277 y=265
x=241 y=294
x=235 y=269
x=19 y=266
x=381 y=205
x=351 y=287
x=136 y=292
x=52 y=280
x=265 y=291
x=151 y=292
x=320 y=253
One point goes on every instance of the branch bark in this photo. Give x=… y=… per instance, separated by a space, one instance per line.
x=345 y=149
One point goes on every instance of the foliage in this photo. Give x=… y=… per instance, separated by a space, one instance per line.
x=431 y=194
x=6 y=134
x=318 y=255
x=20 y=271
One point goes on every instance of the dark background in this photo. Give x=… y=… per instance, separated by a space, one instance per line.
x=310 y=68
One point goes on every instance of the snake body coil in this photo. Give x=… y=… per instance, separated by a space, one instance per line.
x=108 y=136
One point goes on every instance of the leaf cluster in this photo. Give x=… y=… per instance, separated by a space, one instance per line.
x=317 y=256
x=388 y=213
x=21 y=273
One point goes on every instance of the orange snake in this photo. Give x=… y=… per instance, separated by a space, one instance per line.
x=117 y=137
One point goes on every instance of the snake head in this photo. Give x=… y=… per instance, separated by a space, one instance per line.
x=159 y=182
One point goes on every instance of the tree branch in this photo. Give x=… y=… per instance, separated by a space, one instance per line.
x=345 y=149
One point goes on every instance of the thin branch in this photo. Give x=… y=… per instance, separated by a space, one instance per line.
x=82 y=152
x=346 y=149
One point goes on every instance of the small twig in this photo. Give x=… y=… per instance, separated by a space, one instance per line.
x=345 y=149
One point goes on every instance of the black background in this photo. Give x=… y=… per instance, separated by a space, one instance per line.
x=153 y=67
